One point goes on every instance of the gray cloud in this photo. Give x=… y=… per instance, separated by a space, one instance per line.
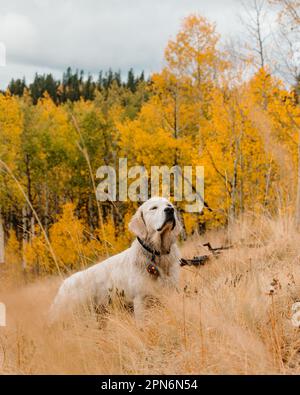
x=44 y=35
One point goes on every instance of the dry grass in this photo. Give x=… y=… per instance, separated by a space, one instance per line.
x=225 y=321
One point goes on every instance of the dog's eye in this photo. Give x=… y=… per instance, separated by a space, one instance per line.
x=153 y=208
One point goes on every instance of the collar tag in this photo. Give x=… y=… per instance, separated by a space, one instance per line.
x=153 y=270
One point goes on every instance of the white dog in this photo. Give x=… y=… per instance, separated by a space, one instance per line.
x=150 y=264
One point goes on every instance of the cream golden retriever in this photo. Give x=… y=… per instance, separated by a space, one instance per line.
x=151 y=263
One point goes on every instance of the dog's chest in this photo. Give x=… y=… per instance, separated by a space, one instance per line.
x=165 y=272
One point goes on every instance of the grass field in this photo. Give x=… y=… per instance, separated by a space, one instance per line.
x=232 y=316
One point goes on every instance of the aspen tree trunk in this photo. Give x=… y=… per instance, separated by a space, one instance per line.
x=29 y=192
x=176 y=123
x=232 y=211
x=268 y=182
x=32 y=228
x=2 y=245
x=46 y=210
x=24 y=237
x=298 y=186
x=242 y=183
x=90 y=214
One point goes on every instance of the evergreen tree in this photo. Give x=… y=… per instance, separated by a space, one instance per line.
x=131 y=83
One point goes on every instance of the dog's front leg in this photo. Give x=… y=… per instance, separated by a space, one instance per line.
x=139 y=310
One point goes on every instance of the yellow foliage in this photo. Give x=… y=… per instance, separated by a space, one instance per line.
x=11 y=122
x=73 y=246
x=199 y=110
x=190 y=222
x=12 y=250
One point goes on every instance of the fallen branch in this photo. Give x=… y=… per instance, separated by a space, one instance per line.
x=196 y=261
x=203 y=259
x=218 y=250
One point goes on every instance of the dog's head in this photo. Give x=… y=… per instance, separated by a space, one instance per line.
x=156 y=219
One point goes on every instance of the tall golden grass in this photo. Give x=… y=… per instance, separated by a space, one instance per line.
x=232 y=316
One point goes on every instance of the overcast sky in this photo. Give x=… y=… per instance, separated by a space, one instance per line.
x=50 y=35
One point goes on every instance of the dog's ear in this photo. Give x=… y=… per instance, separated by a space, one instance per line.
x=137 y=224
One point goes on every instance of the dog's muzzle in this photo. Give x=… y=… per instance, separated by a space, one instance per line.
x=169 y=213
x=169 y=218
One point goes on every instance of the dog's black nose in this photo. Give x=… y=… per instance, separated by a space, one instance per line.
x=169 y=210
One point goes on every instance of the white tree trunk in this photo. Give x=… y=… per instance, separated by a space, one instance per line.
x=298 y=186
x=25 y=235
x=2 y=245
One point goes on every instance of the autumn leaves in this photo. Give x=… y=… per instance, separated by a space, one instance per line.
x=200 y=110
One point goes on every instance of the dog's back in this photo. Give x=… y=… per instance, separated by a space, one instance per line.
x=92 y=285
